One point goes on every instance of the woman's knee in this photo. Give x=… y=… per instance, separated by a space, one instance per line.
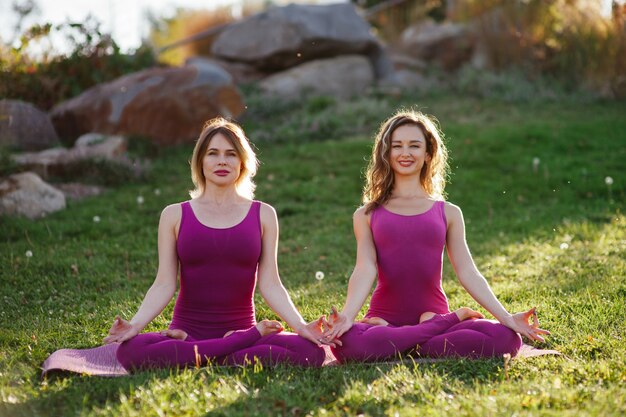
x=130 y=354
x=508 y=341
x=127 y=354
x=316 y=356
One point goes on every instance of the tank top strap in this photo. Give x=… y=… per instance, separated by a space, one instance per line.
x=254 y=216
x=441 y=208
x=185 y=209
x=374 y=216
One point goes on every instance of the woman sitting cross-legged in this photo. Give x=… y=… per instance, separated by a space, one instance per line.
x=224 y=244
x=401 y=232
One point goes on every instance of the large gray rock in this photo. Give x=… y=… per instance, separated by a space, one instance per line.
x=449 y=45
x=56 y=161
x=283 y=37
x=340 y=77
x=25 y=194
x=241 y=72
x=169 y=105
x=25 y=127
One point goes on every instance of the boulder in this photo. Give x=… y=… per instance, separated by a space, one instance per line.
x=283 y=37
x=55 y=161
x=339 y=77
x=241 y=72
x=168 y=105
x=25 y=194
x=24 y=127
x=403 y=61
x=449 y=45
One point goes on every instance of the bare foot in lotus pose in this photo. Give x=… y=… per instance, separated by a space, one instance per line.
x=375 y=321
x=265 y=327
x=462 y=313
x=174 y=334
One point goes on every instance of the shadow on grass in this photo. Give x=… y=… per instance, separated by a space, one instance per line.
x=354 y=388
x=282 y=390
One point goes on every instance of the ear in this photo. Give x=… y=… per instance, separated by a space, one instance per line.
x=428 y=158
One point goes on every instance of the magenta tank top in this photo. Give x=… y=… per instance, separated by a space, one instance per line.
x=217 y=275
x=409 y=253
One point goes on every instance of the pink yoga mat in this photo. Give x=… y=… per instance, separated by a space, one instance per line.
x=101 y=361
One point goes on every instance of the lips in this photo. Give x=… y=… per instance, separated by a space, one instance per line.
x=405 y=163
x=221 y=172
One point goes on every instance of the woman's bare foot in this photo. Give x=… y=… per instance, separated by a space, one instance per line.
x=174 y=334
x=376 y=321
x=462 y=313
x=264 y=327
x=465 y=313
x=427 y=316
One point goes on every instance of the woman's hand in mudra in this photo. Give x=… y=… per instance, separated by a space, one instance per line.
x=120 y=331
x=521 y=323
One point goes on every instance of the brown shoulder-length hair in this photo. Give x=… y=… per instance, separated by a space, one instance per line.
x=236 y=136
x=380 y=177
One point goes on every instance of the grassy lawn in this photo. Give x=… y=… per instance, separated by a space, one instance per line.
x=552 y=237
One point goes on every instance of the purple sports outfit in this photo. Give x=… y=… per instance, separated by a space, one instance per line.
x=217 y=280
x=409 y=252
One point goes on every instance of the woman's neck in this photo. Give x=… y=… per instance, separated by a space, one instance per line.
x=220 y=196
x=408 y=187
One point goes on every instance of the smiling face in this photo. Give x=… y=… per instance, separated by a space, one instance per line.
x=221 y=163
x=408 y=151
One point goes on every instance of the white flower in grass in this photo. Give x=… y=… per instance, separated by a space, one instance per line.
x=157 y=192
x=29 y=254
x=319 y=275
x=536 y=162
x=140 y=200
x=564 y=246
x=608 y=181
x=96 y=219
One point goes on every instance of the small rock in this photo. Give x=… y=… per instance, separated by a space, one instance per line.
x=26 y=194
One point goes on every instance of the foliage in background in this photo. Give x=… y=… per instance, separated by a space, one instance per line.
x=566 y=39
x=36 y=72
x=391 y=18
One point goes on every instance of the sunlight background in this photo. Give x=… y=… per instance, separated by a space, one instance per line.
x=127 y=21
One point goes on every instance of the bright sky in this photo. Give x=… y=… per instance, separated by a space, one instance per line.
x=126 y=20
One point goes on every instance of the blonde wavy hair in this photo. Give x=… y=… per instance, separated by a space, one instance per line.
x=380 y=177
x=236 y=136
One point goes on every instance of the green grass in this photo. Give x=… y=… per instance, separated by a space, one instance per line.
x=555 y=239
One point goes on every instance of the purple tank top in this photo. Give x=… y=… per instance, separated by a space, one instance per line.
x=217 y=274
x=409 y=253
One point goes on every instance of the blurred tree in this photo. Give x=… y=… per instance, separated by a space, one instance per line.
x=36 y=71
x=22 y=9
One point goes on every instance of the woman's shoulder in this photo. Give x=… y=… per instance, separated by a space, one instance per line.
x=452 y=210
x=362 y=212
x=172 y=213
x=266 y=211
x=265 y=207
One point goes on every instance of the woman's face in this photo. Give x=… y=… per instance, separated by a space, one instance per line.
x=408 y=150
x=221 y=164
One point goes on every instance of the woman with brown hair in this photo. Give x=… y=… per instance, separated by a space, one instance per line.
x=401 y=231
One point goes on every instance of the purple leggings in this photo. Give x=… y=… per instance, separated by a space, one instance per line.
x=152 y=350
x=442 y=336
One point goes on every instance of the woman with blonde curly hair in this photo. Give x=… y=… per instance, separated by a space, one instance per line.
x=401 y=231
x=224 y=244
